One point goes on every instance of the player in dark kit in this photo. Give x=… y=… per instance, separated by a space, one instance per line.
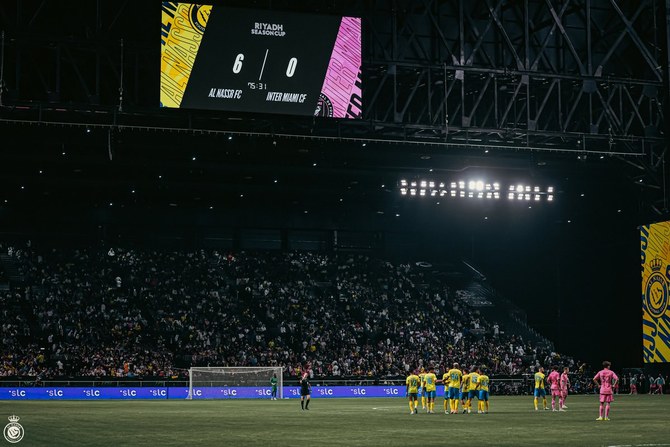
x=305 y=392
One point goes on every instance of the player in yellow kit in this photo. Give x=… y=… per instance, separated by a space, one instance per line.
x=483 y=388
x=412 y=384
x=452 y=385
x=430 y=385
x=472 y=391
x=539 y=388
x=421 y=388
x=465 y=387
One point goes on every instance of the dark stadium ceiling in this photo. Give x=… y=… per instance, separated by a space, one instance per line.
x=548 y=97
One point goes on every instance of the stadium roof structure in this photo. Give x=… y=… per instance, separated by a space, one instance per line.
x=571 y=93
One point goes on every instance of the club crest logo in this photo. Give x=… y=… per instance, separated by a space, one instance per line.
x=199 y=15
x=656 y=290
x=324 y=107
x=13 y=431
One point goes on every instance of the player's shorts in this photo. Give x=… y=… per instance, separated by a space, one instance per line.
x=483 y=395
x=464 y=395
x=454 y=393
x=430 y=394
x=413 y=396
x=472 y=394
x=556 y=393
x=606 y=398
x=305 y=391
x=540 y=392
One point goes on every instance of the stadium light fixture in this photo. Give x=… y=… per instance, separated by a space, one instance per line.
x=412 y=192
x=519 y=188
x=479 y=185
x=461 y=185
x=422 y=192
x=423 y=183
x=550 y=198
x=403 y=191
x=403 y=182
x=472 y=185
x=510 y=196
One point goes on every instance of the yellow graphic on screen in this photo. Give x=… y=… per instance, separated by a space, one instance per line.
x=182 y=28
x=655 y=258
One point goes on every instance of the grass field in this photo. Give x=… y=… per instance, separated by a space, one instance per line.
x=636 y=420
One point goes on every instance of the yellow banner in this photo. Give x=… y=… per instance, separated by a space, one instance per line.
x=655 y=258
x=182 y=28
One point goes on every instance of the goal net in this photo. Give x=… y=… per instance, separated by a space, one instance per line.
x=233 y=382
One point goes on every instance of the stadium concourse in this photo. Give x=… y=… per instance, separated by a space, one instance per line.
x=133 y=313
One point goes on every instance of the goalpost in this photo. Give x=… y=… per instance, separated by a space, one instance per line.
x=222 y=377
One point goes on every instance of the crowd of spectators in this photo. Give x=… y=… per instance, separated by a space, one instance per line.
x=118 y=312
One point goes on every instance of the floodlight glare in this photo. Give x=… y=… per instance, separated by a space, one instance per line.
x=461 y=184
x=472 y=185
x=527 y=196
x=479 y=185
x=519 y=188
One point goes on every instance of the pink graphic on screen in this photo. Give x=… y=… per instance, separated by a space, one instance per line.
x=341 y=90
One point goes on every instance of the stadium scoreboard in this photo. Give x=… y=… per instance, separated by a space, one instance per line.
x=232 y=59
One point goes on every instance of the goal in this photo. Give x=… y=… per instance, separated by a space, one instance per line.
x=221 y=382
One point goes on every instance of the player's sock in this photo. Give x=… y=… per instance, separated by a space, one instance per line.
x=487 y=406
x=411 y=407
x=423 y=402
x=600 y=411
x=302 y=404
x=535 y=402
x=307 y=404
x=544 y=402
x=607 y=411
x=553 y=403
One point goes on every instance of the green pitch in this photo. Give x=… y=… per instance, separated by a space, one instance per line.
x=635 y=420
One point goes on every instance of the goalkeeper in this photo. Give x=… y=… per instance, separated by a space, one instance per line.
x=273 y=383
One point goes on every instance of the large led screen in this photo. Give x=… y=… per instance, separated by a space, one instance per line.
x=230 y=59
x=655 y=260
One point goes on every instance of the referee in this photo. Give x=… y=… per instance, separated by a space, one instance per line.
x=305 y=392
